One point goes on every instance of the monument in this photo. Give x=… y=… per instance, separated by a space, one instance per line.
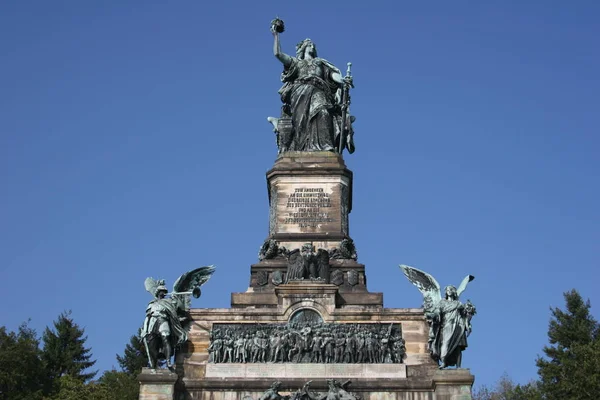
x=307 y=327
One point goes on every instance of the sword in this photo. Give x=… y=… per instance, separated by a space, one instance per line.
x=345 y=106
x=145 y=339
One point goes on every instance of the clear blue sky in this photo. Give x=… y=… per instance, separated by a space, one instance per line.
x=133 y=143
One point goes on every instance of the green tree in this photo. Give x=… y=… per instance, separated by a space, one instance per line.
x=72 y=388
x=120 y=385
x=21 y=370
x=571 y=368
x=64 y=352
x=506 y=389
x=134 y=357
x=123 y=385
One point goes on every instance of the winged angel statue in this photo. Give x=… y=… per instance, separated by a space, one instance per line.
x=449 y=319
x=167 y=323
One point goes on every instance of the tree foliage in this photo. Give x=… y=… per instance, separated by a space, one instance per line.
x=64 y=352
x=59 y=371
x=21 y=370
x=113 y=385
x=72 y=388
x=134 y=357
x=506 y=389
x=571 y=368
x=120 y=385
x=124 y=384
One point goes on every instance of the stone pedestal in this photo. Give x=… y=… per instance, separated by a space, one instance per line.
x=299 y=294
x=453 y=384
x=157 y=384
x=310 y=197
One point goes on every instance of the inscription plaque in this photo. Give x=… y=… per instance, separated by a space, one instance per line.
x=308 y=207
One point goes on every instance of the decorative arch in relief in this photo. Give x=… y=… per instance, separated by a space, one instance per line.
x=306 y=316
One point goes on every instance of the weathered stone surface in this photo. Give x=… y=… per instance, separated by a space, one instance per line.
x=453 y=384
x=337 y=277
x=347 y=267
x=310 y=197
x=414 y=326
x=283 y=371
x=157 y=384
x=418 y=382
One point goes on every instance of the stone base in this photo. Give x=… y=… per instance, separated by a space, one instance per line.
x=453 y=384
x=418 y=378
x=310 y=197
x=157 y=384
x=420 y=383
x=308 y=371
x=343 y=291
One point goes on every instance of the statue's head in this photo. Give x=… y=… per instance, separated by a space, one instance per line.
x=451 y=292
x=161 y=291
x=305 y=46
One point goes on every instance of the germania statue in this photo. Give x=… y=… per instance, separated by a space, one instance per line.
x=316 y=98
x=449 y=319
x=167 y=321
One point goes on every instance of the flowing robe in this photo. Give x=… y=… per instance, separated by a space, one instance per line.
x=451 y=338
x=162 y=317
x=310 y=92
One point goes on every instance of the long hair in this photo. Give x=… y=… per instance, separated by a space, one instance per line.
x=453 y=290
x=301 y=48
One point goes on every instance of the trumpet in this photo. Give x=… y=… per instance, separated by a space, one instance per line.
x=196 y=292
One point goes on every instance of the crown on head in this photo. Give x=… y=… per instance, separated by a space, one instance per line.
x=300 y=44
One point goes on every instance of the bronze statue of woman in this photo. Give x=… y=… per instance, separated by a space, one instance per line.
x=311 y=94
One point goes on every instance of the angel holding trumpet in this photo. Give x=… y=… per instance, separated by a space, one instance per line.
x=449 y=319
x=166 y=324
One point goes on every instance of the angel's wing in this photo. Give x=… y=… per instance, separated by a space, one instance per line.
x=192 y=279
x=426 y=283
x=463 y=284
x=151 y=284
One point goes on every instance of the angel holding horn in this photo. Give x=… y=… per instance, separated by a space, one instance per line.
x=167 y=321
x=449 y=319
